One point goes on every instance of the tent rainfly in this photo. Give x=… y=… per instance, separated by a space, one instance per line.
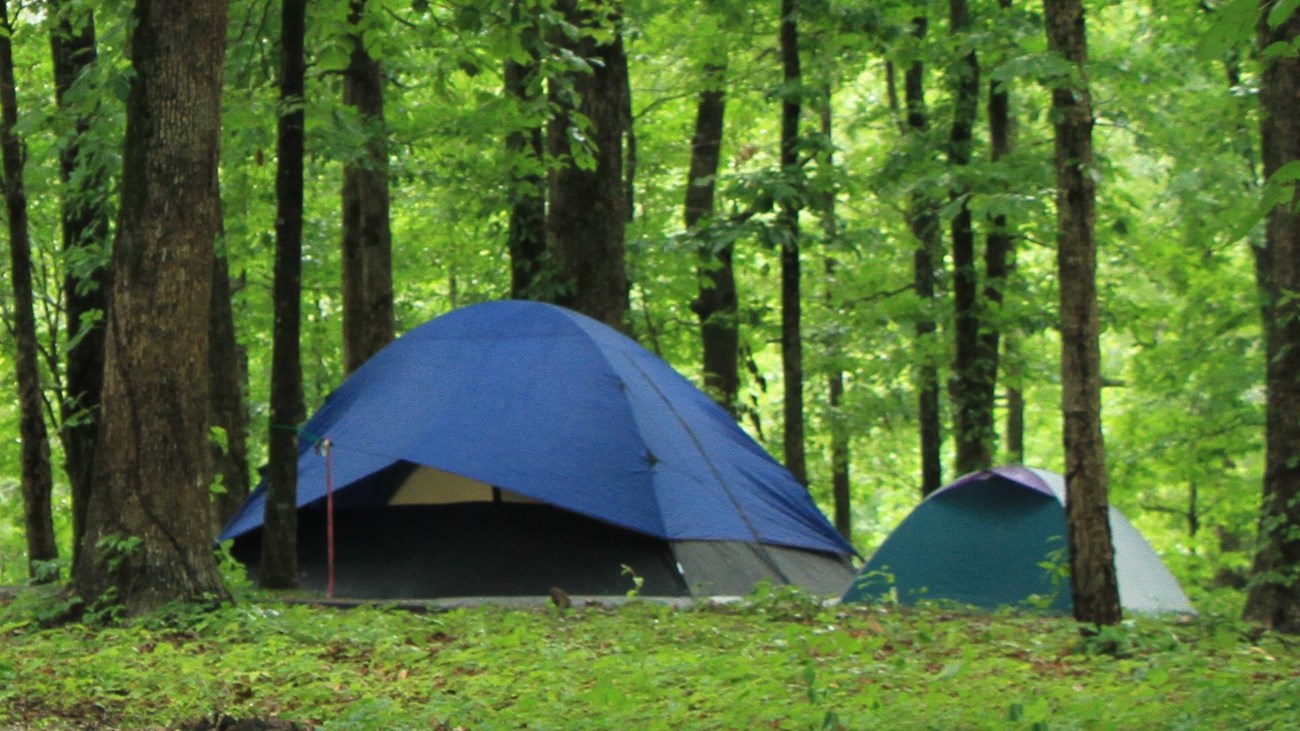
x=509 y=447
x=998 y=538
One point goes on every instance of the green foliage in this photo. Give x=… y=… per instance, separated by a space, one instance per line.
x=644 y=665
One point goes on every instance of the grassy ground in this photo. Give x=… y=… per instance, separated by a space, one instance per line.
x=778 y=661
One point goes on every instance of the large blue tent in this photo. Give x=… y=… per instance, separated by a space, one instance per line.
x=552 y=414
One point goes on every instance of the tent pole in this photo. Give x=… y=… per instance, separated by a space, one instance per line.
x=329 y=518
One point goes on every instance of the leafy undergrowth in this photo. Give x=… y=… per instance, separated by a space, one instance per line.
x=778 y=661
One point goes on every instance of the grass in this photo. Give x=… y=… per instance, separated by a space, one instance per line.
x=778 y=661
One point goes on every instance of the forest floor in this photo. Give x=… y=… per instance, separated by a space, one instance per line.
x=775 y=660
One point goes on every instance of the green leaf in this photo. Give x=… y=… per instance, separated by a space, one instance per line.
x=1282 y=12
x=1233 y=25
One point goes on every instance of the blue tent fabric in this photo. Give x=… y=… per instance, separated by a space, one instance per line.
x=992 y=538
x=555 y=406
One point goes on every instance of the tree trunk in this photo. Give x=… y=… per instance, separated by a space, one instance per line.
x=974 y=419
x=278 y=568
x=1015 y=425
x=147 y=538
x=368 y=323
x=1092 y=563
x=840 y=493
x=1274 y=596
x=788 y=221
x=999 y=256
x=716 y=304
x=85 y=227
x=228 y=366
x=923 y=220
x=37 y=476
x=587 y=218
x=527 y=229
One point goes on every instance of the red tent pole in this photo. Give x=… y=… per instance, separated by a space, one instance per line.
x=329 y=517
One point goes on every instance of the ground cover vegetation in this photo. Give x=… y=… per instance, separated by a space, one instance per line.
x=777 y=660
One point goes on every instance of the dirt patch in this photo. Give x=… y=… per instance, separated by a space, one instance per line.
x=222 y=722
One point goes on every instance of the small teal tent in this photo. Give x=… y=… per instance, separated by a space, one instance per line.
x=995 y=538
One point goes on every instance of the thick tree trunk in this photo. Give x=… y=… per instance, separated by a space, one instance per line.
x=788 y=221
x=37 y=476
x=228 y=366
x=999 y=257
x=974 y=418
x=1274 y=596
x=923 y=220
x=368 y=323
x=147 y=538
x=716 y=304
x=587 y=217
x=278 y=568
x=526 y=238
x=1092 y=561
x=85 y=227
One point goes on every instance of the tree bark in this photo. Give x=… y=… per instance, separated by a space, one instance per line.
x=587 y=218
x=1274 y=594
x=278 y=568
x=974 y=418
x=840 y=493
x=1015 y=424
x=37 y=476
x=368 y=321
x=526 y=238
x=923 y=220
x=1092 y=562
x=788 y=222
x=85 y=229
x=716 y=305
x=228 y=366
x=147 y=538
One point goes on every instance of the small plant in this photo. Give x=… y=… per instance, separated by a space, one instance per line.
x=637 y=581
x=48 y=571
x=1057 y=567
x=233 y=573
x=114 y=549
x=782 y=602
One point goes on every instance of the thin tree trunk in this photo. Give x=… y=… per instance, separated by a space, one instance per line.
x=999 y=256
x=716 y=304
x=279 y=560
x=974 y=419
x=526 y=237
x=587 y=217
x=1274 y=594
x=368 y=323
x=1015 y=424
x=229 y=371
x=840 y=493
x=148 y=539
x=37 y=476
x=85 y=226
x=791 y=318
x=923 y=219
x=1092 y=563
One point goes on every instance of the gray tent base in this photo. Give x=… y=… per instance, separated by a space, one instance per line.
x=522 y=549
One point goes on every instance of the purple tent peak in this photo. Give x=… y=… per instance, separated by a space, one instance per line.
x=1040 y=480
